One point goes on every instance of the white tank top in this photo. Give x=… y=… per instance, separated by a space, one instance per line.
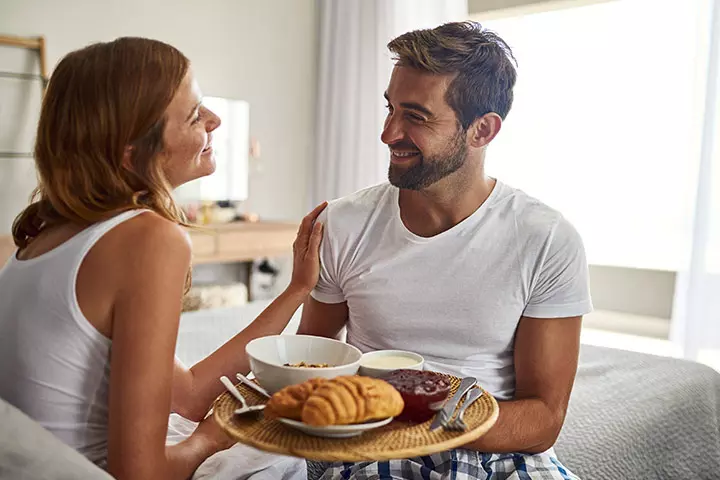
x=54 y=365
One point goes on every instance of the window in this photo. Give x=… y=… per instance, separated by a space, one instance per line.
x=607 y=122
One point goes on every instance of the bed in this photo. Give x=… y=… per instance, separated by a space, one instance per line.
x=638 y=416
x=631 y=415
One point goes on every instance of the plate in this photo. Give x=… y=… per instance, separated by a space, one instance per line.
x=335 y=431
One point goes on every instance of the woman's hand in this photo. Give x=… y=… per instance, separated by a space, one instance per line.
x=215 y=436
x=306 y=255
x=186 y=456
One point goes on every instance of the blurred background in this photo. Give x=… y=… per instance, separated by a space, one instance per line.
x=614 y=124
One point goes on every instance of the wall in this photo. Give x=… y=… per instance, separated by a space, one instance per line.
x=633 y=290
x=260 y=51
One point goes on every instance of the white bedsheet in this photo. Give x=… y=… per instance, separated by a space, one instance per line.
x=239 y=462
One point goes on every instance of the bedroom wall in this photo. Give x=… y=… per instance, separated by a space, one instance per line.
x=263 y=52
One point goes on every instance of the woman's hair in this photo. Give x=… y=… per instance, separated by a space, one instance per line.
x=101 y=101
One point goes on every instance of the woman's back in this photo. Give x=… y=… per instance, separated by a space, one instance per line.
x=54 y=364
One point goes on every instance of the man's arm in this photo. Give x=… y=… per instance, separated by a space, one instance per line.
x=546 y=357
x=323 y=319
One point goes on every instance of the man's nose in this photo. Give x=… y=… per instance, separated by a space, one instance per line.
x=392 y=132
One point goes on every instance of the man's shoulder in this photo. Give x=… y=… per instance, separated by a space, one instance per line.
x=533 y=218
x=367 y=199
x=356 y=209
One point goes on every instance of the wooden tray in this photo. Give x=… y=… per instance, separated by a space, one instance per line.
x=393 y=441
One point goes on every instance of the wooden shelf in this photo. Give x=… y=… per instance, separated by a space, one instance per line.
x=33 y=43
x=241 y=242
x=227 y=243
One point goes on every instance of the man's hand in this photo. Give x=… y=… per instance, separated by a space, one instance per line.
x=546 y=357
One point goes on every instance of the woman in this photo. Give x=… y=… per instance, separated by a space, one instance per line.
x=103 y=262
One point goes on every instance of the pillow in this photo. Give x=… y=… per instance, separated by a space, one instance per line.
x=29 y=452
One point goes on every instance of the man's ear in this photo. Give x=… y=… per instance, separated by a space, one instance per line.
x=484 y=129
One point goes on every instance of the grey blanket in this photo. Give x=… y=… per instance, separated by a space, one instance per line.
x=638 y=417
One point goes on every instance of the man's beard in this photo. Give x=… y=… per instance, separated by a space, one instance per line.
x=431 y=169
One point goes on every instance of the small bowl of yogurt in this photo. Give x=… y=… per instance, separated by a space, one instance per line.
x=381 y=363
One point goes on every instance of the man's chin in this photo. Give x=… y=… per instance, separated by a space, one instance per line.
x=394 y=177
x=402 y=173
x=401 y=181
x=397 y=171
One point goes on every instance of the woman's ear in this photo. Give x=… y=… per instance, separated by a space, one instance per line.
x=127 y=158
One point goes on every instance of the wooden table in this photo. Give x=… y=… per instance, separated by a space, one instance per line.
x=242 y=242
x=226 y=243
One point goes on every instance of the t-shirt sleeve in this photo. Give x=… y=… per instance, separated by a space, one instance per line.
x=561 y=288
x=328 y=288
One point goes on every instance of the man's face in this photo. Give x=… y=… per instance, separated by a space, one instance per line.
x=425 y=138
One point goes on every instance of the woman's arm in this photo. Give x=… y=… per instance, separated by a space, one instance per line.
x=150 y=274
x=195 y=389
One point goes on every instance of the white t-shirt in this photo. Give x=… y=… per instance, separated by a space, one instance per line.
x=455 y=298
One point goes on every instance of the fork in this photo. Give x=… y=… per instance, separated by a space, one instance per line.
x=252 y=385
x=236 y=393
x=458 y=424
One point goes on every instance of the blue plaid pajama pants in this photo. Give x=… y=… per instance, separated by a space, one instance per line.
x=453 y=465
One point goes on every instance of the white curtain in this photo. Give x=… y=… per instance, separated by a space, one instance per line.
x=696 y=309
x=354 y=69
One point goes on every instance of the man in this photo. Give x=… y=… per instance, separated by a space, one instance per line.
x=476 y=276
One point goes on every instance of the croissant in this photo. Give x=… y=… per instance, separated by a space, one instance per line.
x=351 y=399
x=289 y=402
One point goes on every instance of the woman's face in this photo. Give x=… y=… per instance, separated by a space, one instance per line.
x=187 y=140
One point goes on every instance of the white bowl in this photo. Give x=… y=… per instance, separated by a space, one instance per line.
x=268 y=356
x=372 y=364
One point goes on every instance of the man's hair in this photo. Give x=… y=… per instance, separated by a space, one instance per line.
x=481 y=61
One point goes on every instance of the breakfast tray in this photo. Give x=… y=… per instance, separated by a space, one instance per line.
x=393 y=441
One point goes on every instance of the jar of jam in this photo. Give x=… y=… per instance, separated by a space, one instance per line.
x=423 y=392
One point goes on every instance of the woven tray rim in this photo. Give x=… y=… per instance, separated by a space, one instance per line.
x=355 y=455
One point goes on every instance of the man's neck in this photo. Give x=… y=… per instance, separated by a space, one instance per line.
x=434 y=210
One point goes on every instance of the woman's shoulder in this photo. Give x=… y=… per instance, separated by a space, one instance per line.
x=149 y=228
x=144 y=241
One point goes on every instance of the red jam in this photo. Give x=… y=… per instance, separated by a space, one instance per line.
x=422 y=391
